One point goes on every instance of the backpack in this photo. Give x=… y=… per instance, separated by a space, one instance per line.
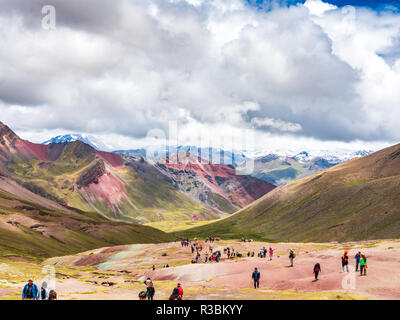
x=294 y=254
x=43 y=294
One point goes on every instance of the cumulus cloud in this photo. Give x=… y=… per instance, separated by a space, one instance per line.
x=121 y=68
x=276 y=124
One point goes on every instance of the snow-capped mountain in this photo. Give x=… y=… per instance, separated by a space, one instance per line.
x=90 y=140
x=215 y=155
x=305 y=156
x=332 y=157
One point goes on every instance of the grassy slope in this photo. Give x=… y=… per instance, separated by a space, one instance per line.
x=352 y=201
x=76 y=231
x=175 y=226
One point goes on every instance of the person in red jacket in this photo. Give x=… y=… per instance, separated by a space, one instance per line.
x=180 y=289
x=175 y=295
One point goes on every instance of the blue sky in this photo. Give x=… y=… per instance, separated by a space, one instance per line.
x=377 y=4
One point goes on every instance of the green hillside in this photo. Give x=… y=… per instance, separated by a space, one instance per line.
x=35 y=232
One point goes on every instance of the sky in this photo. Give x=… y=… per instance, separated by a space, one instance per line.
x=258 y=75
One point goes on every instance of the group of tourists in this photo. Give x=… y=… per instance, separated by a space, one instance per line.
x=212 y=255
x=31 y=292
x=177 y=292
x=185 y=242
x=360 y=260
x=211 y=239
x=263 y=253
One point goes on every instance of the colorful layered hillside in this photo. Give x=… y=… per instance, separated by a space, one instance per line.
x=215 y=185
x=77 y=175
x=35 y=228
x=356 y=200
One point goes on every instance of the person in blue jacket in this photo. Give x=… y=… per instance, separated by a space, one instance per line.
x=357 y=257
x=256 y=278
x=30 y=291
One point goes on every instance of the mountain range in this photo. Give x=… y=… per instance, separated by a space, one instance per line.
x=119 y=187
x=279 y=167
x=73 y=195
x=355 y=200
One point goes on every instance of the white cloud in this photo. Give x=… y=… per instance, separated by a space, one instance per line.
x=318 y=7
x=117 y=70
x=276 y=124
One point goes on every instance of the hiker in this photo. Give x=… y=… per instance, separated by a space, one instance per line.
x=265 y=252
x=206 y=258
x=345 y=261
x=252 y=254
x=363 y=265
x=30 y=291
x=217 y=256
x=167 y=265
x=256 y=278
x=357 y=257
x=317 y=270
x=175 y=295
x=44 y=292
x=271 y=253
x=147 y=282
x=292 y=255
x=154 y=267
x=52 y=295
x=150 y=291
x=142 y=295
x=180 y=290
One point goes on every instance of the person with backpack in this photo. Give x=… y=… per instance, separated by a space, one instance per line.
x=150 y=291
x=345 y=262
x=148 y=281
x=357 y=257
x=317 y=270
x=256 y=278
x=30 y=291
x=292 y=255
x=363 y=265
x=52 y=295
x=44 y=292
x=142 y=295
x=180 y=289
x=175 y=295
